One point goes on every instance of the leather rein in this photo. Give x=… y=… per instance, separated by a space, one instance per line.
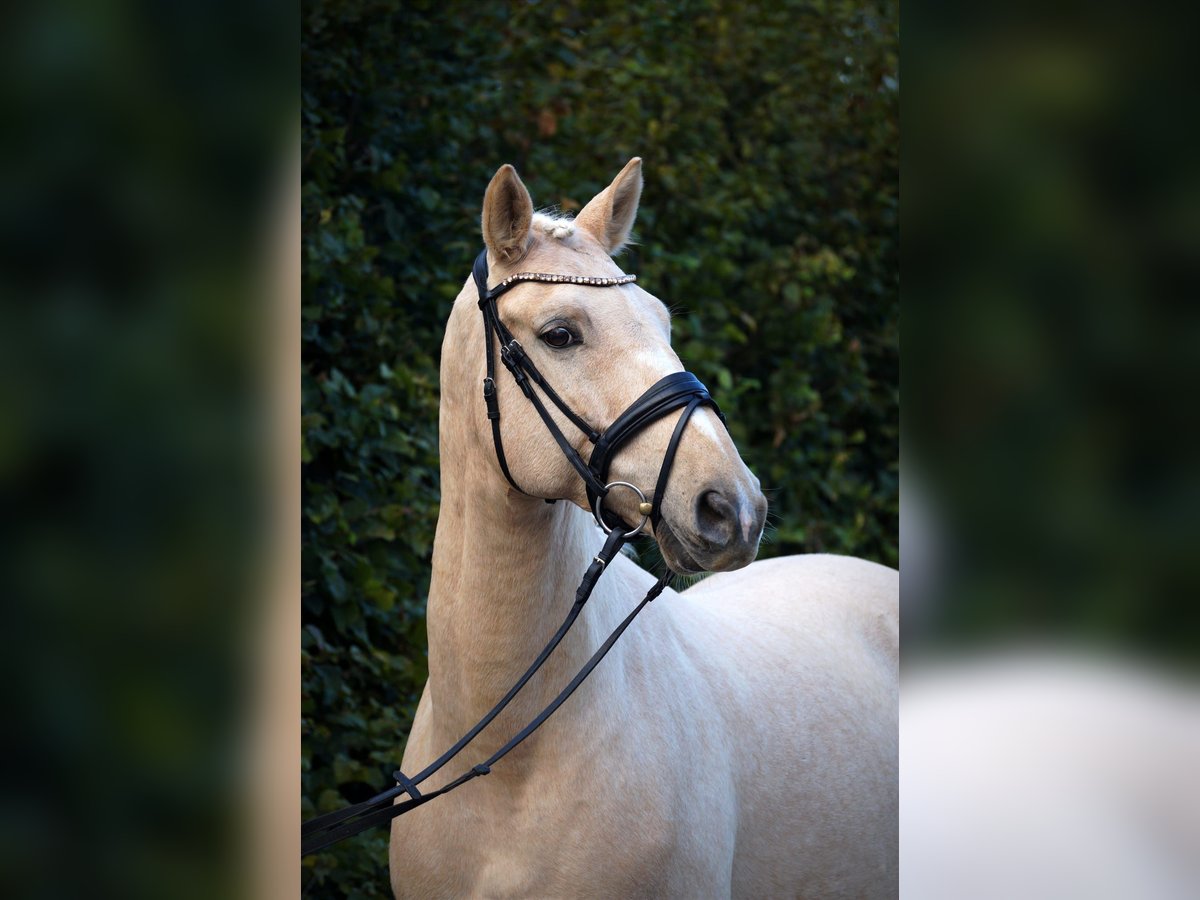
x=681 y=390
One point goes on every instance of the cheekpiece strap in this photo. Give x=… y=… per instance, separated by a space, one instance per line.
x=523 y=369
x=680 y=390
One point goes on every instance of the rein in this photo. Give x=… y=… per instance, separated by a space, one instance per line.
x=675 y=391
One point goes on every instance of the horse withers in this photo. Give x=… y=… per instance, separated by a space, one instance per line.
x=741 y=737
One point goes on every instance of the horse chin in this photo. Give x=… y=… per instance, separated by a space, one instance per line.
x=674 y=554
x=688 y=560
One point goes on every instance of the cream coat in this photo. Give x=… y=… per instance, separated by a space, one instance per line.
x=739 y=740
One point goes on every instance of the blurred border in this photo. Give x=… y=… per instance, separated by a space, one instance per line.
x=275 y=757
x=1050 y=718
x=142 y=454
x=1049 y=231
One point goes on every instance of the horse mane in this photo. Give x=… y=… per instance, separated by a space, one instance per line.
x=554 y=225
x=551 y=223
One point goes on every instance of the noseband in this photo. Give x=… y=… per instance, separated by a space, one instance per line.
x=681 y=390
x=678 y=390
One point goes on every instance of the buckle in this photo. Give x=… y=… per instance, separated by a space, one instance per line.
x=513 y=350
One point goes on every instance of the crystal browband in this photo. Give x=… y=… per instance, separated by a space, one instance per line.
x=566 y=279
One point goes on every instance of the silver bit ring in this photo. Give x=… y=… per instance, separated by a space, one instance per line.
x=596 y=507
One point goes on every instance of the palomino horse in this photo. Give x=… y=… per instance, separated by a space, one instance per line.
x=741 y=738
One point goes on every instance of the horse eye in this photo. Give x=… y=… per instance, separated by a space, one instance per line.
x=558 y=337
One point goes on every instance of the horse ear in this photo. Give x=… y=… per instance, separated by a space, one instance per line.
x=610 y=214
x=507 y=214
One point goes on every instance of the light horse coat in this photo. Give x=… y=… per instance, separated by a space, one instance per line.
x=740 y=740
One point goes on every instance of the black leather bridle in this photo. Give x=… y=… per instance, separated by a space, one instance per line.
x=675 y=391
x=681 y=390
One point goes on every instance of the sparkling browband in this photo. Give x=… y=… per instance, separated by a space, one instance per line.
x=566 y=279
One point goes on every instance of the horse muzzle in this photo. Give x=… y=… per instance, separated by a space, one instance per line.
x=723 y=534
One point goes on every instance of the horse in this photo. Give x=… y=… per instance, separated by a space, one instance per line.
x=740 y=740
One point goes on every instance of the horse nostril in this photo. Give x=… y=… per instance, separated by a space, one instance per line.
x=716 y=519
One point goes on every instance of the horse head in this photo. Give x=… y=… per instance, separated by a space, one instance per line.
x=599 y=350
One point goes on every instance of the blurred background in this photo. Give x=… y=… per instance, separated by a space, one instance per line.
x=143 y=161
x=1050 y=722
x=770 y=139
x=1051 y=227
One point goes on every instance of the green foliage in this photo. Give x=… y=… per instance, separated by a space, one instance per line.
x=768 y=224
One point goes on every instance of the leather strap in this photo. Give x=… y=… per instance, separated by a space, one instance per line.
x=666 y=395
x=679 y=390
x=660 y=399
x=664 y=473
x=522 y=369
x=317 y=834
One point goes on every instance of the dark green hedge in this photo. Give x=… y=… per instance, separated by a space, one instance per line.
x=768 y=223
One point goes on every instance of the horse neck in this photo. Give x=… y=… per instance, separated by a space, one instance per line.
x=505 y=570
